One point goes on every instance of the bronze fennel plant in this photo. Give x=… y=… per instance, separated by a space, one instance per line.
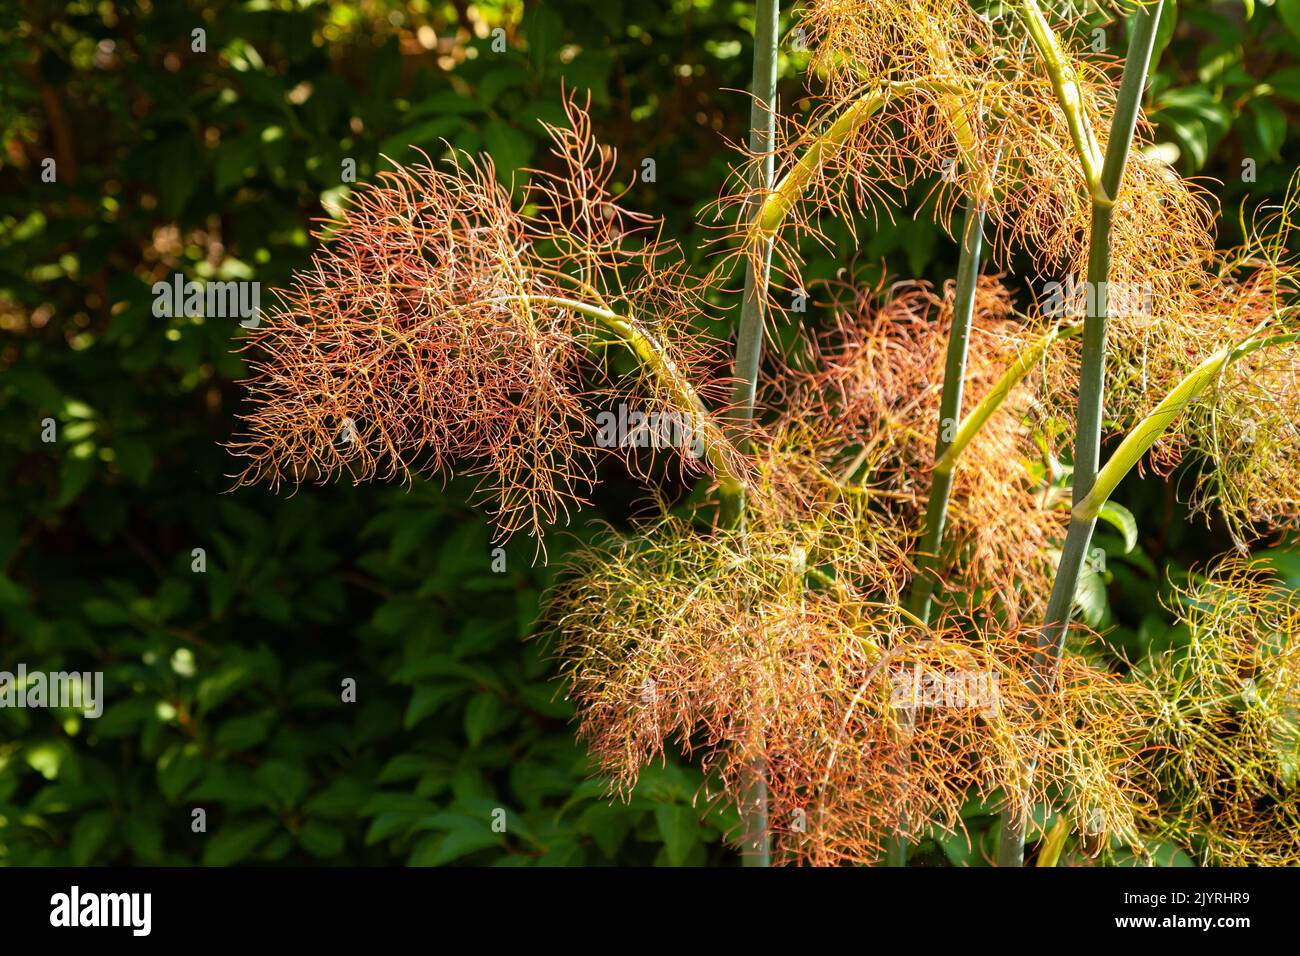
x=871 y=621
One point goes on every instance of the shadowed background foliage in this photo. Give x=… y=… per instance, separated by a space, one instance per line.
x=223 y=686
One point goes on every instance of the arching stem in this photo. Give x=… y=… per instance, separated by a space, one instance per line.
x=655 y=358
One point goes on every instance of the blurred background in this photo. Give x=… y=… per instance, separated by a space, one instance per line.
x=223 y=685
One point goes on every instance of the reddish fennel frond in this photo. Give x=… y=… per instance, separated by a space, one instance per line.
x=974 y=717
x=439 y=327
x=787 y=650
x=876 y=385
x=671 y=636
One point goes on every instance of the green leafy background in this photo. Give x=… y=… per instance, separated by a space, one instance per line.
x=224 y=687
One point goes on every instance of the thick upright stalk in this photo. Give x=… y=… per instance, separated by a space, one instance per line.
x=1092 y=377
x=762 y=137
x=756 y=846
x=954 y=379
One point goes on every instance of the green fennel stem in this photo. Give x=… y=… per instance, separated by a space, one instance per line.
x=954 y=378
x=756 y=840
x=992 y=401
x=1092 y=369
x=762 y=137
